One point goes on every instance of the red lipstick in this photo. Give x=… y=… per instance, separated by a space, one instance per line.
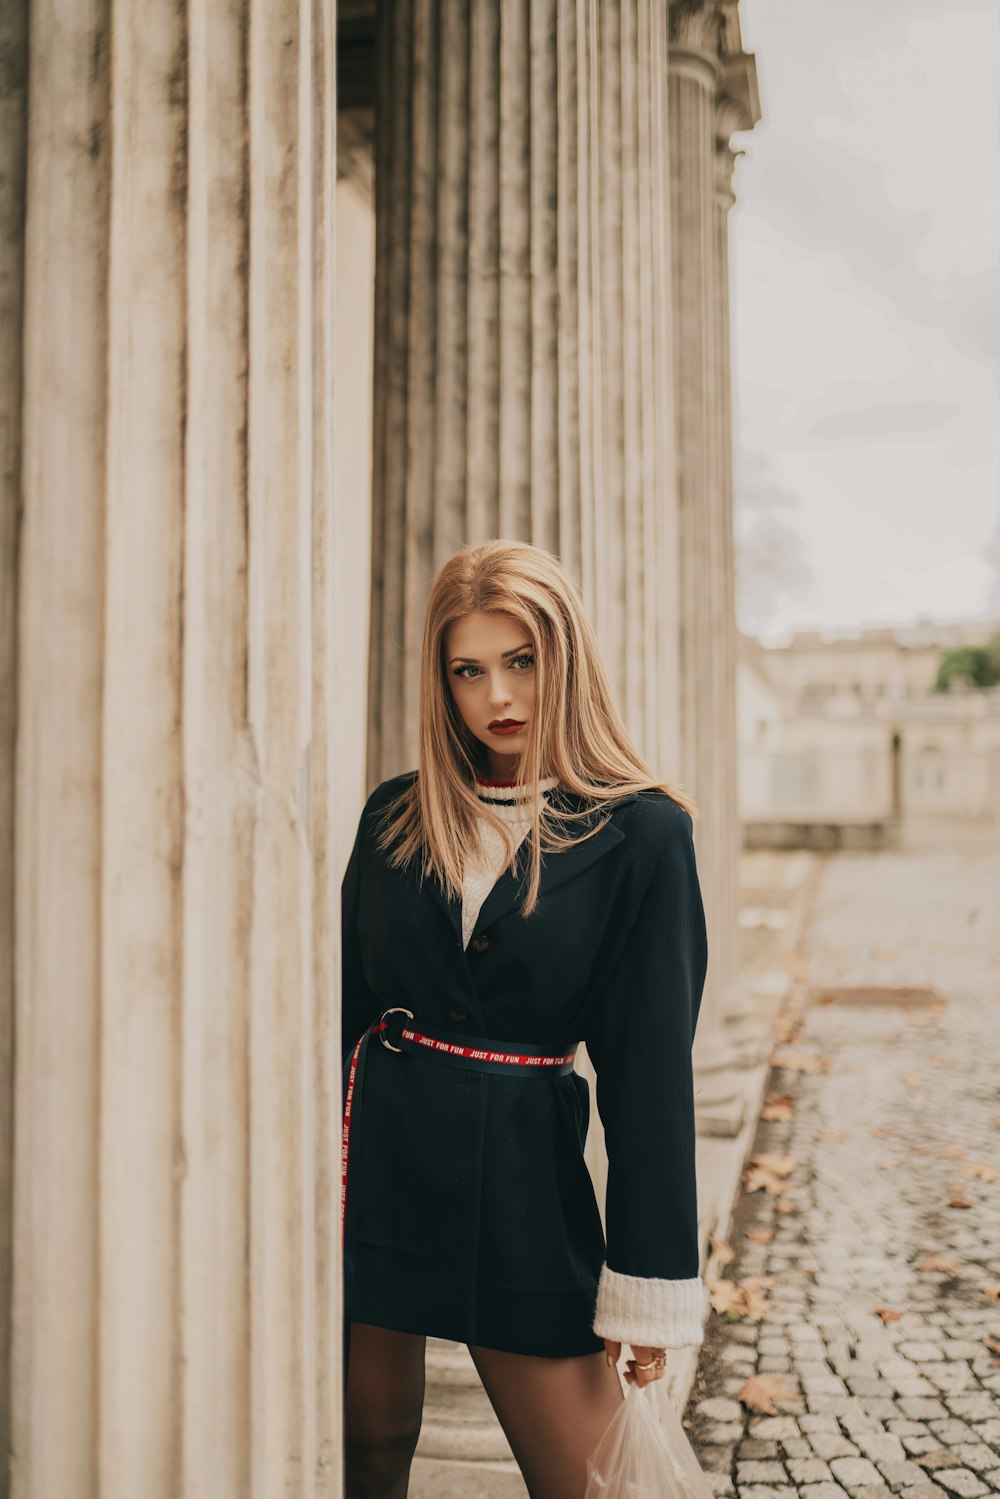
x=506 y=726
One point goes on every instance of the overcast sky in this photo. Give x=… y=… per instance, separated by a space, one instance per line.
x=866 y=324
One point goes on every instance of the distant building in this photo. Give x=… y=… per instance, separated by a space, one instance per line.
x=844 y=741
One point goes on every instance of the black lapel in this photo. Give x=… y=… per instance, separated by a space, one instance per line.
x=512 y=886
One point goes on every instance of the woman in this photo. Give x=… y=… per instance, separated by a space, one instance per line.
x=529 y=887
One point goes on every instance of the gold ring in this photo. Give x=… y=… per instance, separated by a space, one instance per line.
x=651 y=1365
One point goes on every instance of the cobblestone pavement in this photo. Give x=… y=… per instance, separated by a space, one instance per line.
x=876 y=1224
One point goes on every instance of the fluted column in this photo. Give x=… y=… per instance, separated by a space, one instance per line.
x=735 y=110
x=175 y=1279
x=13 y=157
x=522 y=368
x=701 y=33
x=522 y=329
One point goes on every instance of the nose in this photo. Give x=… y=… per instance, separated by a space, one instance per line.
x=499 y=690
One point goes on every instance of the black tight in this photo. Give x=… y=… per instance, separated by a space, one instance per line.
x=553 y=1411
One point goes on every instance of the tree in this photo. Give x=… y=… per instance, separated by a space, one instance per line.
x=978 y=665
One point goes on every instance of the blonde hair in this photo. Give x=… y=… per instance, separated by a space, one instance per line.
x=575 y=732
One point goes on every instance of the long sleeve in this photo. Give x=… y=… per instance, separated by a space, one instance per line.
x=359 y=1005
x=639 y=1040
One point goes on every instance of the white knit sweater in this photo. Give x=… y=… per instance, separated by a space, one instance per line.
x=511 y=806
x=645 y=1313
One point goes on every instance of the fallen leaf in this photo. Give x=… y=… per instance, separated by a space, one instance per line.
x=992 y=1290
x=800 y=1061
x=832 y=1134
x=762 y=1390
x=913 y=1078
x=887 y=1314
x=759 y=1235
x=981 y=1169
x=938 y=1262
x=960 y=1202
x=722 y=1252
x=756 y=1177
x=781 y=1164
x=778 y=1106
x=733 y=1299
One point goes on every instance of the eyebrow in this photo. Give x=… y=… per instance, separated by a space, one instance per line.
x=471 y=660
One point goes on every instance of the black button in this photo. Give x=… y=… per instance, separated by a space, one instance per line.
x=480 y=942
x=457 y=1014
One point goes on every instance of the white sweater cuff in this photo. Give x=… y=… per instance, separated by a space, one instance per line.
x=650 y=1313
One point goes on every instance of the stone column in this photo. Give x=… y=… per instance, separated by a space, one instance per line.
x=13 y=152
x=736 y=109
x=699 y=43
x=522 y=373
x=175 y=1280
x=522 y=329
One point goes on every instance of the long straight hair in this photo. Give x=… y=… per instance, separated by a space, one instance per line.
x=576 y=732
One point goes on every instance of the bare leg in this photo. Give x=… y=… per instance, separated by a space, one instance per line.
x=383 y=1408
x=554 y=1412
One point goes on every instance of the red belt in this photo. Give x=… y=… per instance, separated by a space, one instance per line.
x=472 y=1051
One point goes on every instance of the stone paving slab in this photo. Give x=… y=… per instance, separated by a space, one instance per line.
x=875 y=1229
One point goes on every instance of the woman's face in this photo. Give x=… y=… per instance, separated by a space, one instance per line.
x=490 y=664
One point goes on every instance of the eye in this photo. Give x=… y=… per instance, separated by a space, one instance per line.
x=524 y=661
x=462 y=671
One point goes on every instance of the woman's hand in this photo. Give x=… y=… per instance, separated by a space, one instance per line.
x=634 y=1374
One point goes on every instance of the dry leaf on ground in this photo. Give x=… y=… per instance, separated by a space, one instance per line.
x=991 y=1289
x=722 y=1252
x=762 y=1390
x=759 y=1235
x=959 y=1201
x=732 y=1298
x=938 y=1262
x=800 y=1061
x=755 y=1178
x=778 y=1106
x=887 y=1313
x=768 y=1170
x=982 y=1169
x=781 y=1164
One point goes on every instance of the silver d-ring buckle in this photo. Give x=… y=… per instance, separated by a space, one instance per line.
x=397 y=1010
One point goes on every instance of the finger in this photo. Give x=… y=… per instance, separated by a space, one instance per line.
x=613 y=1351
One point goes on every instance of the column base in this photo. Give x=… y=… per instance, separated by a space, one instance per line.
x=433 y=1478
x=719 y=1090
x=460 y=1429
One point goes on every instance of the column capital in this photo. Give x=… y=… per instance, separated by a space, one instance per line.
x=705 y=36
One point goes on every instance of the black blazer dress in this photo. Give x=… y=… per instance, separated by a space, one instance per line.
x=474 y=1216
